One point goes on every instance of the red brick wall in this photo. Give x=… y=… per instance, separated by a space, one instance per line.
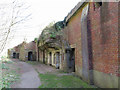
x=103 y=23
x=119 y=39
x=73 y=36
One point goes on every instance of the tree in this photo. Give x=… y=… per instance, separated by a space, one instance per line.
x=11 y=16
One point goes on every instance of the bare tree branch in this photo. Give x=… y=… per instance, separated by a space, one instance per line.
x=10 y=19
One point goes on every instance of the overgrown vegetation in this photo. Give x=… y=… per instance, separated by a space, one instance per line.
x=64 y=81
x=8 y=78
x=4 y=66
x=51 y=31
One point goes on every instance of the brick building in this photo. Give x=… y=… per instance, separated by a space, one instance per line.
x=28 y=51
x=89 y=43
x=10 y=53
x=24 y=51
x=92 y=31
x=14 y=52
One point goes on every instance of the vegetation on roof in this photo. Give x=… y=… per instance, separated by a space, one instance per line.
x=51 y=30
x=35 y=39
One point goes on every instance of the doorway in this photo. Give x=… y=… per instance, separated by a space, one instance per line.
x=50 y=54
x=30 y=56
x=43 y=56
x=58 y=60
x=14 y=55
x=72 y=60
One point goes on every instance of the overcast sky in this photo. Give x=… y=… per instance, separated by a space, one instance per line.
x=42 y=13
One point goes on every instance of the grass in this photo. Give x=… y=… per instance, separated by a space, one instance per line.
x=65 y=81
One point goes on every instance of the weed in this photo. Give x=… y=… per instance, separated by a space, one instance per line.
x=8 y=78
x=4 y=66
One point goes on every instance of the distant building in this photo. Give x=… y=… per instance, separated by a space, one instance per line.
x=24 y=51
x=28 y=51
x=10 y=53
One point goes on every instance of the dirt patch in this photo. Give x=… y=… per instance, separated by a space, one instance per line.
x=43 y=68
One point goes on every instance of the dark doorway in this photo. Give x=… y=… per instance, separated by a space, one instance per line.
x=54 y=58
x=57 y=60
x=17 y=55
x=14 y=55
x=43 y=56
x=50 y=58
x=72 y=60
x=30 y=56
x=38 y=54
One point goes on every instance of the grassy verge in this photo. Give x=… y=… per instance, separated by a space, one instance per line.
x=65 y=81
x=9 y=74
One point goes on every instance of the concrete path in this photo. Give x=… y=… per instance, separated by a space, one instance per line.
x=29 y=77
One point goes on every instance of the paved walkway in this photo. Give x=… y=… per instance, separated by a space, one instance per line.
x=29 y=77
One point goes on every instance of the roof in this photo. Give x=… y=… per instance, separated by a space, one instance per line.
x=30 y=46
x=74 y=10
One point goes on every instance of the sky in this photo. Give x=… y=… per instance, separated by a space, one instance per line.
x=42 y=13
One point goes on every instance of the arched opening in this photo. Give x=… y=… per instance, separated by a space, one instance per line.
x=30 y=56
x=14 y=55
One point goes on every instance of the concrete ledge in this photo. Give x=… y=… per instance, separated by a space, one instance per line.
x=104 y=80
